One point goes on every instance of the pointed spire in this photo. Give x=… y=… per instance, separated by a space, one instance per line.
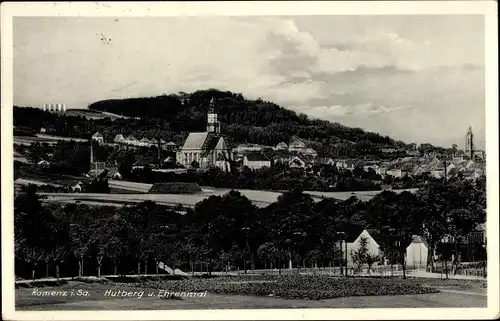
x=211 y=105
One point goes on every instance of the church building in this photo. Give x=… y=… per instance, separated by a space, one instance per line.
x=206 y=149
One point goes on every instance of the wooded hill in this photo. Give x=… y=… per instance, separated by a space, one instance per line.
x=173 y=116
x=245 y=121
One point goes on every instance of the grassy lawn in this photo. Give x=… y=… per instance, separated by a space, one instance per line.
x=249 y=292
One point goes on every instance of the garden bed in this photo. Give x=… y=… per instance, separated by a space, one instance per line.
x=298 y=287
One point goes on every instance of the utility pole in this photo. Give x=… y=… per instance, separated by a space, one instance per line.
x=445 y=174
x=346 y=273
x=159 y=151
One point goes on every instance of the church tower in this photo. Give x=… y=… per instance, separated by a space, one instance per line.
x=213 y=125
x=469 y=143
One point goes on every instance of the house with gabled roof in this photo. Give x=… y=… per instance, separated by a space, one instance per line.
x=119 y=139
x=170 y=146
x=296 y=145
x=281 y=146
x=308 y=152
x=98 y=137
x=373 y=243
x=382 y=169
x=145 y=142
x=256 y=161
x=300 y=162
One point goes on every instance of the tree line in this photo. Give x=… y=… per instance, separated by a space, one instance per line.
x=228 y=231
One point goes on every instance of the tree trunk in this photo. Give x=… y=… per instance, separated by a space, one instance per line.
x=79 y=268
x=446 y=268
x=116 y=269
x=146 y=268
x=403 y=262
x=430 y=257
x=156 y=266
x=33 y=273
x=457 y=251
x=98 y=270
x=57 y=271
x=46 y=270
x=138 y=268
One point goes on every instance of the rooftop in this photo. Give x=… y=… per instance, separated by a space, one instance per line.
x=256 y=157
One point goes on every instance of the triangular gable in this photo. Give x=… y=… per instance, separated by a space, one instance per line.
x=366 y=234
x=221 y=144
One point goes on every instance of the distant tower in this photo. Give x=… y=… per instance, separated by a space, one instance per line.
x=469 y=143
x=213 y=125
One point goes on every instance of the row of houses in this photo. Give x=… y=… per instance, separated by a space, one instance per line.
x=295 y=147
x=399 y=168
x=135 y=142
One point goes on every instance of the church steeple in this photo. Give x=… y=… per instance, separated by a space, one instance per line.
x=469 y=143
x=213 y=125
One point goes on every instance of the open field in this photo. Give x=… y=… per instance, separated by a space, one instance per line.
x=454 y=294
x=92 y=114
x=43 y=138
x=56 y=180
x=165 y=199
x=132 y=192
x=269 y=195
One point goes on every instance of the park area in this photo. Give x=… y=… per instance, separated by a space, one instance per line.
x=248 y=292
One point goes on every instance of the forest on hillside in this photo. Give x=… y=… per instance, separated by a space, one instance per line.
x=245 y=121
x=172 y=117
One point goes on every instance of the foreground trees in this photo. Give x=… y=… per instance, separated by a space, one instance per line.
x=229 y=233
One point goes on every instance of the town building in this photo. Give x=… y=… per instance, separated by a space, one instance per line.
x=372 y=246
x=207 y=149
x=417 y=253
x=281 y=146
x=256 y=161
x=98 y=137
x=296 y=146
x=242 y=148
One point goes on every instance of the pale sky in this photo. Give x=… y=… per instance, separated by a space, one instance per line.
x=414 y=78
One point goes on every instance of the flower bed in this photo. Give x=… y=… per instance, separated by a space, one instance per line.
x=298 y=287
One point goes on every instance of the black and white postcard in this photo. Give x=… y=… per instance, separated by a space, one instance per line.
x=253 y=160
